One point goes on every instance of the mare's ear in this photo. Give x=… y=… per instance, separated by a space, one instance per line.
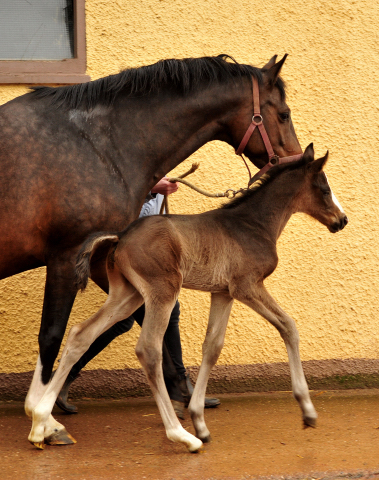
x=270 y=63
x=318 y=164
x=309 y=154
x=271 y=75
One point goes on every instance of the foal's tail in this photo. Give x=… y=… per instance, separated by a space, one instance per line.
x=101 y=240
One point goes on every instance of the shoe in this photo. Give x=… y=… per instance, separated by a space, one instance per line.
x=178 y=408
x=62 y=399
x=209 y=402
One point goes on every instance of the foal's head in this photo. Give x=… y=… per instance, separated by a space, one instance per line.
x=316 y=197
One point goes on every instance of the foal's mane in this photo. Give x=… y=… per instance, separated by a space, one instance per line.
x=183 y=76
x=263 y=181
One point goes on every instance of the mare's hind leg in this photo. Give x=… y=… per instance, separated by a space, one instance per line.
x=221 y=306
x=149 y=353
x=262 y=302
x=122 y=301
x=59 y=297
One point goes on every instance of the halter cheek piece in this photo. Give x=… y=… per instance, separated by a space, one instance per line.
x=257 y=121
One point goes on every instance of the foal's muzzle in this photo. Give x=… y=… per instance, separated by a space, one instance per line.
x=339 y=225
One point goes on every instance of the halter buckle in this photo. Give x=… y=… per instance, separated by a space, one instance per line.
x=257 y=119
x=274 y=160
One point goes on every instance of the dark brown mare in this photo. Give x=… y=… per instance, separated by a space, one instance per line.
x=228 y=252
x=81 y=159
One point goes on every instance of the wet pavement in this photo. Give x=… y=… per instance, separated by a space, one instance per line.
x=253 y=435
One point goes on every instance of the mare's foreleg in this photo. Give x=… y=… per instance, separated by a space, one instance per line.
x=121 y=302
x=221 y=306
x=265 y=305
x=59 y=297
x=149 y=353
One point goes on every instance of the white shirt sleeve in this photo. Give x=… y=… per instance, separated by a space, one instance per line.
x=152 y=207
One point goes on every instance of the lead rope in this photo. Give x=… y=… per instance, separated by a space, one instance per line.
x=164 y=206
x=229 y=193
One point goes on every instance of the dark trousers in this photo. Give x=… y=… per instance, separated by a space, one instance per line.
x=173 y=368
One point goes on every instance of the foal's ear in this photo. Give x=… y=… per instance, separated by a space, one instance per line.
x=272 y=73
x=309 y=154
x=270 y=63
x=318 y=164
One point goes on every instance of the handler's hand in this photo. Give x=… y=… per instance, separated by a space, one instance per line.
x=164 y=187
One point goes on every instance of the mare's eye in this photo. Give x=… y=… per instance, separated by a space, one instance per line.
x=284 y=116
x=326 y=192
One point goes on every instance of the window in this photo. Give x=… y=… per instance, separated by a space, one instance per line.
x=42 y=41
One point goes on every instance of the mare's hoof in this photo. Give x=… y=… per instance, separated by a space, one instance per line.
x=39 y=445
x=62 y=437
x=206 y=439
x=309 y=422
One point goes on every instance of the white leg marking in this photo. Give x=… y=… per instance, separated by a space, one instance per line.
x=36 y=389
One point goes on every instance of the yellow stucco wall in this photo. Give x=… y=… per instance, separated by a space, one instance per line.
x=328 y=283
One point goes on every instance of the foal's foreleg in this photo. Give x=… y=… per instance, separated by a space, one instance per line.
x=149 y=353
x=265 y=305
x=116 y=307
x=221 y=306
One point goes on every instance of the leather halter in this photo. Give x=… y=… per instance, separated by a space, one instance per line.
x=257 y=121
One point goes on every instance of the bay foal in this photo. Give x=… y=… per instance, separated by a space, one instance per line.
x=228 y=252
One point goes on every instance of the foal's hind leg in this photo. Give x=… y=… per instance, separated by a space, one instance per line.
x=121 y=302
x=262 y=302
x=149 y=353
x=221 y=306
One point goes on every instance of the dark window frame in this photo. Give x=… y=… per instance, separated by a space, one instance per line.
x=67 y=71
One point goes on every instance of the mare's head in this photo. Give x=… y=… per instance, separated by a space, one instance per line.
x=316 y=197
x=275 y=113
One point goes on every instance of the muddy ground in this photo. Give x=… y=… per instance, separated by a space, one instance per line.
x=253 y=435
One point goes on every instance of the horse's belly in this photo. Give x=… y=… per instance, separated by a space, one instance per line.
x=206 y=282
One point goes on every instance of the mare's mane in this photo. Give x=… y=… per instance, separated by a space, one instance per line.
x=183 y=76
x=263 y=181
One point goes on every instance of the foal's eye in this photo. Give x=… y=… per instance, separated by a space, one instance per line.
x=325 y=192
x=284 y=116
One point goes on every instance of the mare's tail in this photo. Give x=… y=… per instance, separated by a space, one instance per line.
x=83 y=260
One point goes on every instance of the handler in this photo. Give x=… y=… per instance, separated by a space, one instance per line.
x=177 y=380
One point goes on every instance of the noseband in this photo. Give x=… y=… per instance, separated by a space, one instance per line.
x=257 y=121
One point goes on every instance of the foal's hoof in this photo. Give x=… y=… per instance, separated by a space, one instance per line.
x=309 y=422
x=195 y=446
x=206 y=439
x=62 y=437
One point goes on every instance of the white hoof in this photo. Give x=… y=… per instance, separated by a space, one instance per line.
x=182 y=436
x=195 y=445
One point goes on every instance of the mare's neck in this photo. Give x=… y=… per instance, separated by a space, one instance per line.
x=159 y=131
x=270 y=208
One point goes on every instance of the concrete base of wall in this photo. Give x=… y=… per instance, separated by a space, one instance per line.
x=321 y=374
